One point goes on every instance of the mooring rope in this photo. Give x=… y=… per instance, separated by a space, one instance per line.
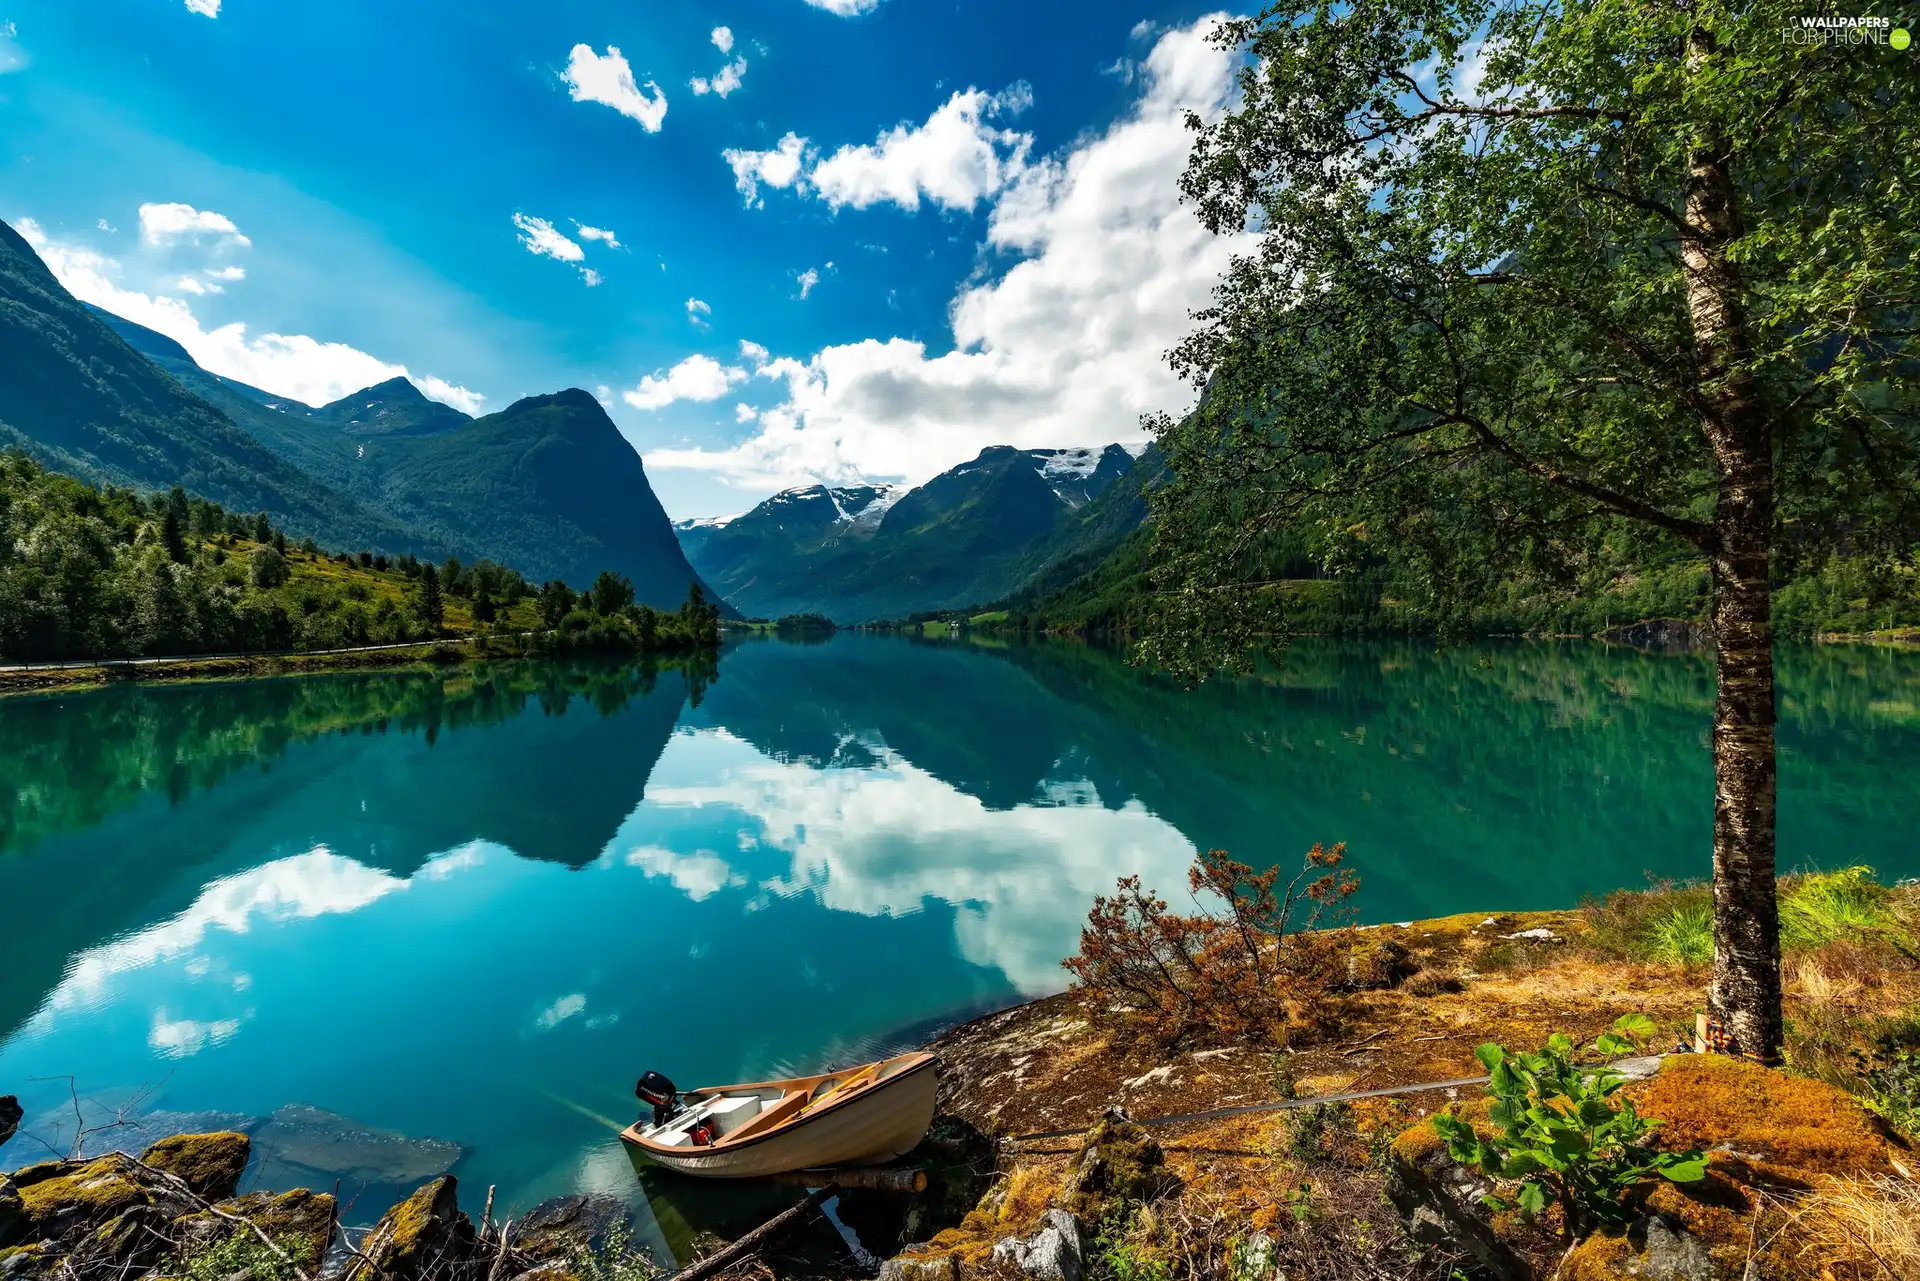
x=1277 y=1105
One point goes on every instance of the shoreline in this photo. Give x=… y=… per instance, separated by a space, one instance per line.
x=425 y=655
x=1360 y=1178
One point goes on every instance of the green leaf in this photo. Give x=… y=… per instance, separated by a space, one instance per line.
x=1491 y=1056
x=1533 y=1198
x=1637 y=1026
x=1682 y=1167
x=1560 y=1045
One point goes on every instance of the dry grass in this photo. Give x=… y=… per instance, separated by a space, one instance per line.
x=1866 y=1228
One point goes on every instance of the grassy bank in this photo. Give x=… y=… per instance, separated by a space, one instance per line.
x=1811 y=1168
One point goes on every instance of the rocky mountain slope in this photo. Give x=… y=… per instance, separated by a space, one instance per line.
x=969 y=536
x=547 y=486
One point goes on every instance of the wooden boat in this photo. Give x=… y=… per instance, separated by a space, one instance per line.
x=857 y=1116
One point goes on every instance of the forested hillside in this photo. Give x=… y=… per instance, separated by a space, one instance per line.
x=88 y=572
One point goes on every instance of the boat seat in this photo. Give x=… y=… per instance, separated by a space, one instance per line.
x=781 y=1111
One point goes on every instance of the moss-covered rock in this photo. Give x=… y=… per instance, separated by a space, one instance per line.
x=1119 y=1165
x=299 y=1222
x=209 y=1164
x=1376 y=961
x=418 y=1236
x=15 y=1222
x=1654 y=1248
x=71 y=1194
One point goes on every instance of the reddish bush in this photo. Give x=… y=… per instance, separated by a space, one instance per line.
x=1249 y=970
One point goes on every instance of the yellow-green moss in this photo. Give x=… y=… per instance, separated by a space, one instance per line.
x=210 y=1164
x=1792 y=1124
x=97 y=1190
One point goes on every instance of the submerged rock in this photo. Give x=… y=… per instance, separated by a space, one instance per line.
x=1051 y=1254
x=305 y=1142
x=209 y=1164
x=10 y=1114
x=561 y=1229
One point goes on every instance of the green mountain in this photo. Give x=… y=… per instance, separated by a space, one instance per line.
x=547 y=486
x=969 y=536
x=77 y=397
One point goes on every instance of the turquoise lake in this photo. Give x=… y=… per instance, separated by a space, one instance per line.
x=471 y=906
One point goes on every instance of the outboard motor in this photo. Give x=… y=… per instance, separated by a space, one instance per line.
x=659 y=1093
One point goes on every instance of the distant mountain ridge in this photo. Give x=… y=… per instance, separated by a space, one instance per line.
x=547 y=485
x=972 y=535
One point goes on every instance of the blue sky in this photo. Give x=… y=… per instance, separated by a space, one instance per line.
x=783 y=240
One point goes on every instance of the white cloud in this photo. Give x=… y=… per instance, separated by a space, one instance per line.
x=540 y=238
x=727 y=79
x=807 y=280
x=184 y=1038
x=753 y=353
x=168 y=224
x=698 y=312
x=698 y=875
x=591 y=276
x=225 y=273
x=955 y=159
x=744 y=413
x=188 y=284
x=1068 y=343
x=205 y=8
x=467 y=402
x=560 y=1011
x=292 y=365
x=601 y=234
x=1025 y=874
x=608 y=80
x=14 y=58
x=723 y=82
x=105 y=226
x=846 y=8
x=698 y=378
x=779 y=166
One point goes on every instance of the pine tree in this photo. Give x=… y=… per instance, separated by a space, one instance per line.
x=171 y=537
x=430 y=607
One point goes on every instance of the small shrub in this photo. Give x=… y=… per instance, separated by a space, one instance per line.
x=613 y=1259
x=1565 y=1134
x=1683 y=935
x=1823 y=907
x=1244 y=973
x=1314 y=1133
x=241 y=1252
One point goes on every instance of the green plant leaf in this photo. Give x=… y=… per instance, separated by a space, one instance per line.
x=1491 y=1056
x=1682 y=1167
x=1637 y=1026
x=1533 y=1198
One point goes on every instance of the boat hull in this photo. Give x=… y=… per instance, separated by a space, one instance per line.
x=885 y=1122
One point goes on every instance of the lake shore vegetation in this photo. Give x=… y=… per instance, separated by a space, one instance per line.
x=93 y=573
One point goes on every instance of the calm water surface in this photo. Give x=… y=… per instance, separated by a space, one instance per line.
x=471 y=907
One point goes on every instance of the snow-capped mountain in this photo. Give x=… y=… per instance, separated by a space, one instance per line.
x=868 y=551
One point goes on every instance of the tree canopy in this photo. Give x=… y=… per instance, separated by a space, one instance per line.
x=1541 y=284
